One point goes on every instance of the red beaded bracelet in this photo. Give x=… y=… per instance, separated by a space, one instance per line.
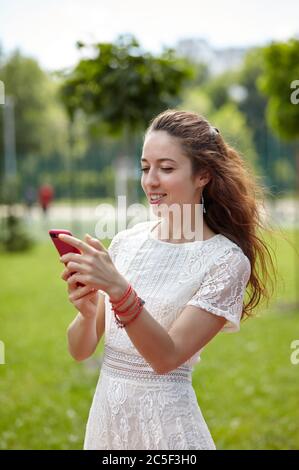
x=133 y=311
x=126 y=311
x=120 y=324
x=137 y=305
x=125 y=296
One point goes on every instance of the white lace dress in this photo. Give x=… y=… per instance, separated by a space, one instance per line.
x=134 y=407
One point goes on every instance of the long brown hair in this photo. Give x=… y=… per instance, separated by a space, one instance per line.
x=232 y=197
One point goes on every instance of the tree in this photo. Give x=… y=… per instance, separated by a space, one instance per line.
x=36 y=126
x=239 y=87
x=280 y=76
x=40 y=121
x=218 y=88
x=228 y=119
x=281 y=69
x=124 y=87
x=34 y=95
x=277 y=82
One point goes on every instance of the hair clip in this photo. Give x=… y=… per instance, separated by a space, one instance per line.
x=214 y=131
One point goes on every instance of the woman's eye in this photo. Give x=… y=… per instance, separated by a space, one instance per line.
x=164 y=169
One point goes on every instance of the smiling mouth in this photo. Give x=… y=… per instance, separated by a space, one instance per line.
x=156 y=200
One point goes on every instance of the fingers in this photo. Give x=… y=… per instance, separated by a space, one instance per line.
x=75 y=242
x=81 y=292
x=70 y=257
x=65 y=274
x=78 y=263
x=76 y=278
x=72 y=284
x=75 y=267
x=69 y=271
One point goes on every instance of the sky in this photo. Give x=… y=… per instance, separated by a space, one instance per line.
x=48 y=29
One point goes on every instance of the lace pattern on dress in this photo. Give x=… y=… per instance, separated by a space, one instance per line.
x=132 y=367
x=222 y=290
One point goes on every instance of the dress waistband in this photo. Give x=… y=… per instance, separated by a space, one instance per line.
x=130 y=366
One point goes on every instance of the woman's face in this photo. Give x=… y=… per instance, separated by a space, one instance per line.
x=167 y=173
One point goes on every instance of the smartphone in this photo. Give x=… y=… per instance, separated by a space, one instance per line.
x=63 y=247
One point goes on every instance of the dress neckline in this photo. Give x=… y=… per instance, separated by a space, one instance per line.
x=196 y=242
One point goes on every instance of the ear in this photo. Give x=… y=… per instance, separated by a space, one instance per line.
x=202 y=179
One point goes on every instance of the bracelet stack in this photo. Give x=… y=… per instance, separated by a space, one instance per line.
x=132 y=311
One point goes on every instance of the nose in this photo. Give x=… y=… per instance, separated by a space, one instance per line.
x=151 y=179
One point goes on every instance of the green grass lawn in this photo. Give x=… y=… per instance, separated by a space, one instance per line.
x=246 y=385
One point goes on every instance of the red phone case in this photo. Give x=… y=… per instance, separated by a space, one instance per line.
x=61 y=246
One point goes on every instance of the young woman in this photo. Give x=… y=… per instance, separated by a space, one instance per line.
x=165 y=288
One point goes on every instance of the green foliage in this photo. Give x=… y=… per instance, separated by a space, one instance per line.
x=122 y=88
x=271 y=151
x=228 y=119
x=281 y=68
x=44 y=392
x=91 y=184
x=196 y=100
x=247 y=386
x=123 y=85
x=201 y=75
x=218 y=89
x=236 y=131
x=254 y=103
x=234 y=103
x=112 y=97
x=40 y=120
x=13 y=236
x=284 y=171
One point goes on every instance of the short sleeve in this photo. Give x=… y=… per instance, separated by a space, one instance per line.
x=223 y=288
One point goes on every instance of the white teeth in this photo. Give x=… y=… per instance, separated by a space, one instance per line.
x=156 y=197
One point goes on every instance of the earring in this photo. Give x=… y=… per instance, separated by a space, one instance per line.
x=203 y=204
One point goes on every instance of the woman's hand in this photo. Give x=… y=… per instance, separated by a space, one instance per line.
x=93 y=267
x=84 y=298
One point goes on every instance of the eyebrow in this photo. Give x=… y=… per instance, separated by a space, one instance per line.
x=160 y=160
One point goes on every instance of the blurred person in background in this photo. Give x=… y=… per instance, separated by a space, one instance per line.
x=45 y=196
x=29 y=198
